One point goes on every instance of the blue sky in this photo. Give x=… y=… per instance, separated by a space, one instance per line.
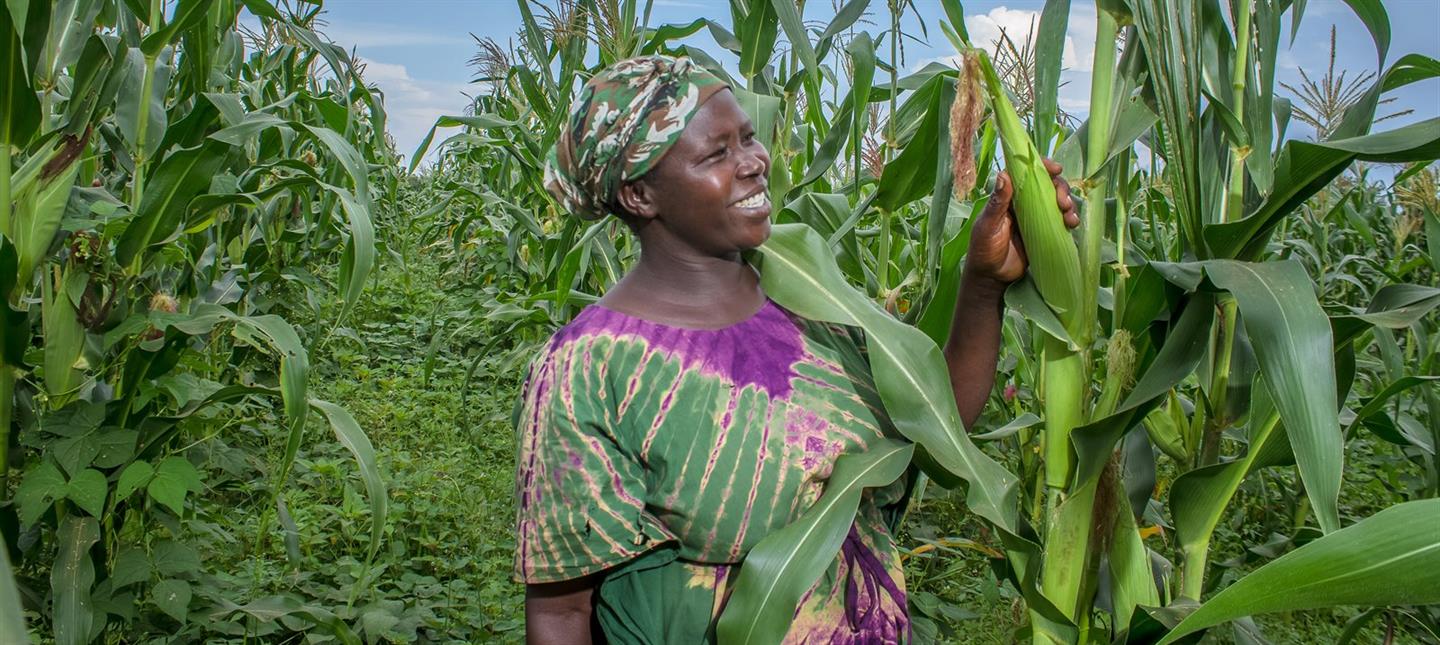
x=416 y=50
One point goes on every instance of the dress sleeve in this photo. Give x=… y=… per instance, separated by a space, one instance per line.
x=579 y=489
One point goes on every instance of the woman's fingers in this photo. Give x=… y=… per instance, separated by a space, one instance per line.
x=1053 y=167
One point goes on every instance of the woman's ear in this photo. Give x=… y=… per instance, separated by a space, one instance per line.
x=637 y=198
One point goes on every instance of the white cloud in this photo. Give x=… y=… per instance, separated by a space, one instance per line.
x=1022 y=24
x=412 y=105
x=371 y=36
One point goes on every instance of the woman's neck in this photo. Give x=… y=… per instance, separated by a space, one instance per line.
x=688 y=288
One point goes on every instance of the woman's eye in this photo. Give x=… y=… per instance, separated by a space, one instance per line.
x=718 y=153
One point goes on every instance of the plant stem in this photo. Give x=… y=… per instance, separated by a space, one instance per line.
x=882 y=272
x=1092 y=226
x=7 y=416
x=1220 y=382
x=1235 y=194
x=7 y=374
x=5 y=185
x=1065 y=383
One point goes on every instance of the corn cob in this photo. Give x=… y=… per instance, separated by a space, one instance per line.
x=1054 y=260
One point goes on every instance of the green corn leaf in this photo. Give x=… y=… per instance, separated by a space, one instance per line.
x=1292 y=341
x=1305 y=168
x=779 y=569
x=788 y=14
x=1377 y=21
x=1386 y=559
x=757 y=33
x=911 y=174
x=1049 y=49
x=71 y=579
x=349 y=434
x=64 y=335
x=12 y=614
x=798 y=271
x=183 y=175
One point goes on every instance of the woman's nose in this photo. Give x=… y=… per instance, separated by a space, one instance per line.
x=757 y=163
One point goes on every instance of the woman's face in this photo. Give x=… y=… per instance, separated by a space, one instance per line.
x=709 y=190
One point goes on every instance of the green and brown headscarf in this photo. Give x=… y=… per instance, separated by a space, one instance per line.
x=621 y=124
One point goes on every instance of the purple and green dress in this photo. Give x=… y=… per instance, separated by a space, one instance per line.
x=660 y=455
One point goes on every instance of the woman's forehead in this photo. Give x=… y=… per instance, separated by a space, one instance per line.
x=717 y=119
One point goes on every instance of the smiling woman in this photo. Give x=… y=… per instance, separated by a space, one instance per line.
x=685 y=416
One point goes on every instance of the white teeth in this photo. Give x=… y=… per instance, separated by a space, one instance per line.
x=754 y=201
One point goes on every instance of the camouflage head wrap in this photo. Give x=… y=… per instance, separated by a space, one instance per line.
x=621 y=124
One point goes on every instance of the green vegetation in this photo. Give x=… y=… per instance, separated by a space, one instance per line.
x=256 y=378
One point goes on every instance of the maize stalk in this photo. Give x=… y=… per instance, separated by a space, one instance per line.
x=1055 y=268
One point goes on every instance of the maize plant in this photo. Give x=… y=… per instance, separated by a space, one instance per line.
x=164 y=177
x=1181 y=330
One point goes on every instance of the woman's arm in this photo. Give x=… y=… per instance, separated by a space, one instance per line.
x=974 y=345
x=559 y=613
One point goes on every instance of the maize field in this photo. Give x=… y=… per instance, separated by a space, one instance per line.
x=258 y=364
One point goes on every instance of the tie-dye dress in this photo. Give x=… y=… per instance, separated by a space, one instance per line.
x=660 y=455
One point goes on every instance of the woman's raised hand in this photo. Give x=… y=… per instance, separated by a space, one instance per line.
x=996 y=252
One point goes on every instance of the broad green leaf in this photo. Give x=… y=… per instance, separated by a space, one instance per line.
x=71 y=23
x=172 y=597
x=359 y=258
x=42 y=485
x=1024 y=297
x=263 y=8
x=1376 y=403
x=1372 y=14
x=787 y=562
x=131 y=566
x=71 y=578
x=798 y=271
x=349 y=433
x=849 y=12
x=1386 y=559
x=1394 y=306
x=1306 y=168
x=186 y=14
x=12 y=614
x=173 y=558
x=1292 y=341
x=133 y=478
x=88 y=489
x=174 y=478
x=294 y=377
x=788 y=14
x=911 y=174
x=1049 y=48
x=757 y=33
x=129 y=100
x=183 y=175
x=1181 y=353
x=249 y=128
x=19 y=106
